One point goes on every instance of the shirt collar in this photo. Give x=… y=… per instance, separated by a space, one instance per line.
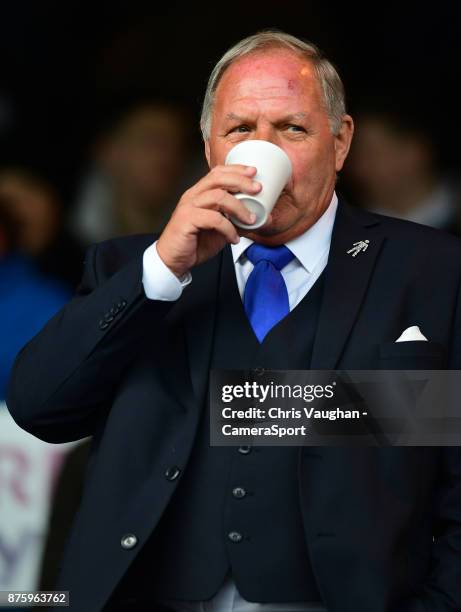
x=309 y=247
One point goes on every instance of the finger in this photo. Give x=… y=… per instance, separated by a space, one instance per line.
x=247 y=170
x=231 y=178
x=212 y=220
x=220 y=200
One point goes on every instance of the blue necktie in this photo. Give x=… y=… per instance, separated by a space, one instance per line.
x=266 y=297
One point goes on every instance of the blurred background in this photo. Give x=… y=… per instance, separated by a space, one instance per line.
x=99 y=136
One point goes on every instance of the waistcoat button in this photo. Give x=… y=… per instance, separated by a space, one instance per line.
x=172 y=472
x=129 y=541
x=235 y=536
x=244 y=450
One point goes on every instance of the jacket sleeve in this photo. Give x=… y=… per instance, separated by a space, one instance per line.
x=443 y=588
x=63 y=380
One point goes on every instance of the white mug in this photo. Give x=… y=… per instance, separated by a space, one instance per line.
x=273 y=172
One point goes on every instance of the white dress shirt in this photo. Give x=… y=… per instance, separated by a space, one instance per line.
x=311 y=251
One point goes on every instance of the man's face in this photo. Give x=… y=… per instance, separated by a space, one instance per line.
x=274 y=95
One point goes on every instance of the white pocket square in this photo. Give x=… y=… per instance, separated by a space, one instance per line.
x=411 y=333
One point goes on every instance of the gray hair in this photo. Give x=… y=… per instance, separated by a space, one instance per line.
x=329 y=79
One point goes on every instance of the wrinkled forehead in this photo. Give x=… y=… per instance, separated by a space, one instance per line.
x=269 y=72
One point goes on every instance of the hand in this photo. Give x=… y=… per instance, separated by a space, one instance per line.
x=198 y=228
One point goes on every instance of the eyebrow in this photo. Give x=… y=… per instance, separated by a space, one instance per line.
x=291 y=117
x=233 y=117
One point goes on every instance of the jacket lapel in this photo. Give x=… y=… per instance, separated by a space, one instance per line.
x=346 y=281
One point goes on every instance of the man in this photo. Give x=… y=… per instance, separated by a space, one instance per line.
x=395 y=169
x=39 y=215
x=28 y=298
x=166 y=518
x=140 y=157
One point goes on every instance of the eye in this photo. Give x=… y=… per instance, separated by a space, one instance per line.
x=240 y=129
x=295 y=128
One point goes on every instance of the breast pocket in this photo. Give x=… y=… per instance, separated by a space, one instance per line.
x=412 y=355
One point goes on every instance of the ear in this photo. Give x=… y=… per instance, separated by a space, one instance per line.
x=343 y=141
x=207 y=152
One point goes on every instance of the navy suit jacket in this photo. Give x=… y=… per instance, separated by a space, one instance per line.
x=132 y=373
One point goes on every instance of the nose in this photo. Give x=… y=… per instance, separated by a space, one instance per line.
x=266 y=132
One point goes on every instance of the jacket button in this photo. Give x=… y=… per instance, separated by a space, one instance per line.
x=129 y=541
x=114 y=311
x=103 y=324
x=239 y=492
x=235 y=536
x=121 y=305
x=244 y=450
x=259 y=371
x=108 y=317
x=172 y=472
